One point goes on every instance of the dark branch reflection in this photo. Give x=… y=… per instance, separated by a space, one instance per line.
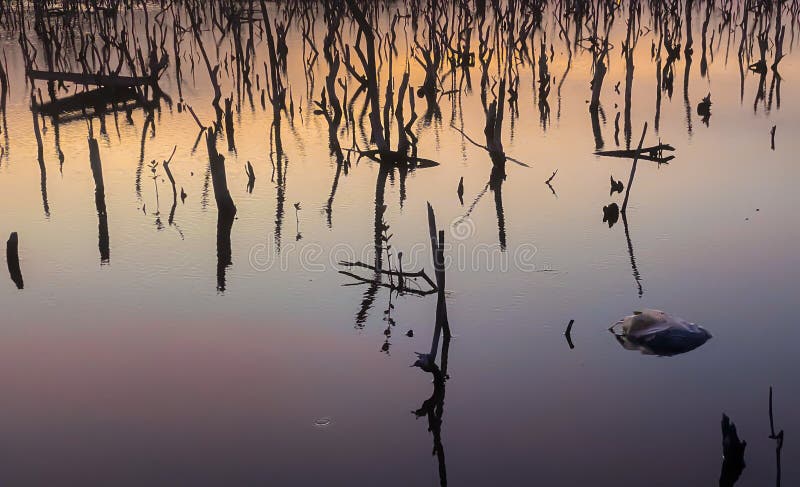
x=99 y=199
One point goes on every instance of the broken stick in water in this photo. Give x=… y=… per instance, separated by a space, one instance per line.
x=568 y=334
x=633 y=169
x=654 y=153
x=772 y=136
x=12 y=256
x=251 y=177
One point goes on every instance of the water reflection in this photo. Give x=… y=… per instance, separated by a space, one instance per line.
x=732 y=454
x=616 y=186
x=778 y=438
x=226 y=210
x=433 y=407
x=611 y=214
x=40 y=158
x=171 y=219
x=99 y=198
x=733 y=449
x=704 y=109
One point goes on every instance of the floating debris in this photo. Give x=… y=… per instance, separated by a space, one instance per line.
x=772 y=136
x=611 y=214
x=12 y=257
x=732 y=453
x=568 y=334
x=616 y=186
x=704 y=109
x=655 y=332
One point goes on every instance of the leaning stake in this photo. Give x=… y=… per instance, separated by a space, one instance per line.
x=633 y=169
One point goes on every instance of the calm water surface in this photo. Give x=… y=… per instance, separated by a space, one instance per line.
x=144 y=369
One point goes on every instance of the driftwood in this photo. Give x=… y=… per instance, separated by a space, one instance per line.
x=91 y=79
x=653 y=153
x=400 y=285
x=98 y=100
x=396 y=159
x=12 y=256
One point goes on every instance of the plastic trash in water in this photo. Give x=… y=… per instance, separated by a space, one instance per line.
x=655 y=332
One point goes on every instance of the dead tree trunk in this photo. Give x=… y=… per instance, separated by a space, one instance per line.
x=226 y=210
x=372 y=77
x=229 y=124
x=597 y=81
x=218 y=177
